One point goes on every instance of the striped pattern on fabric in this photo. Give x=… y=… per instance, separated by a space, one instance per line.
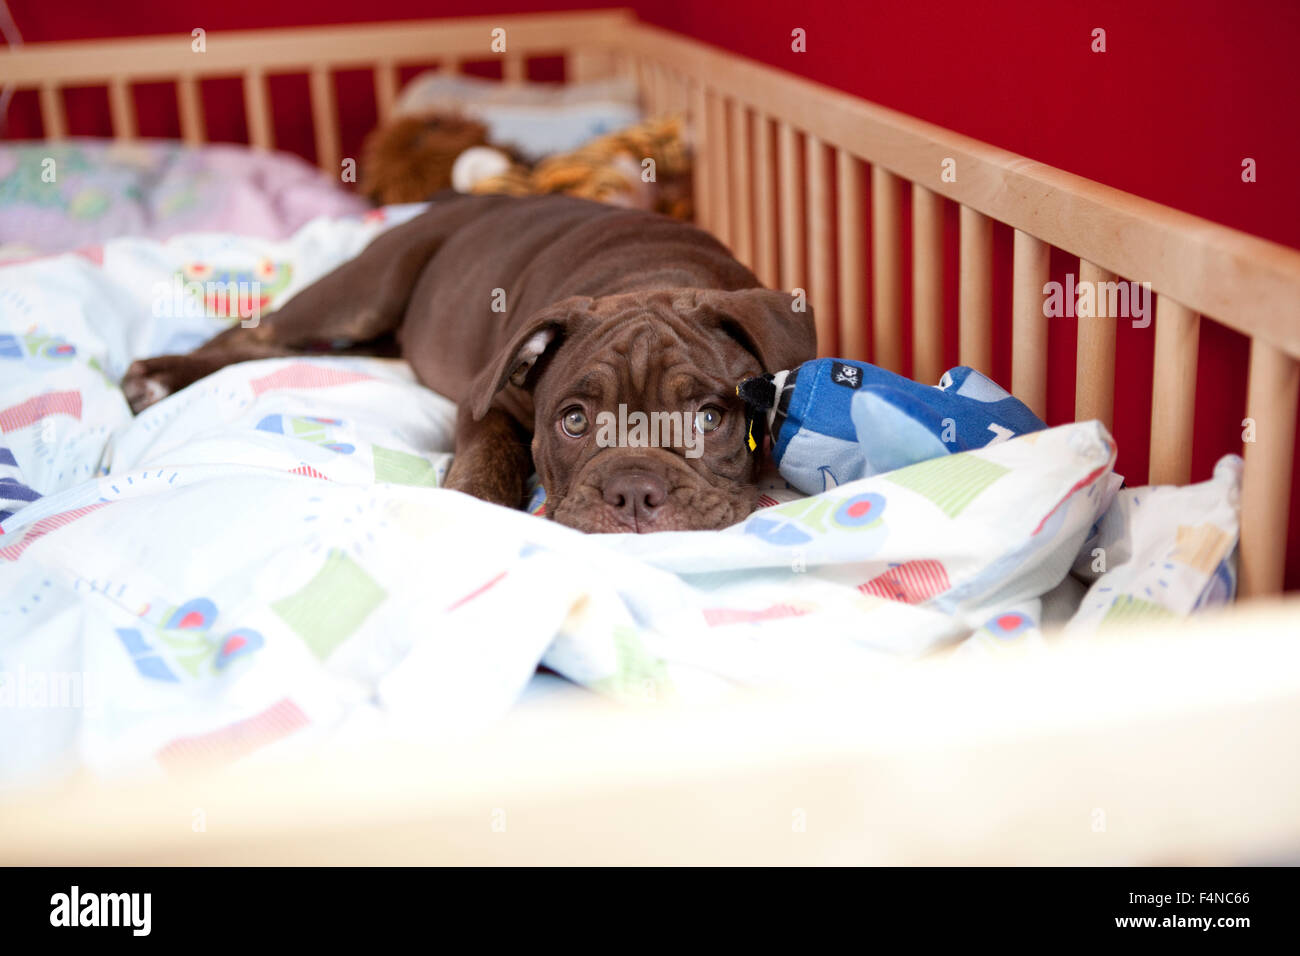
x=40 y=528
x=227 y=744
x=1127 y=608
x=308 y=471
x=911 y=582
x=39 y=406
x=306 y=375
x=951 y=482
x=718 y=616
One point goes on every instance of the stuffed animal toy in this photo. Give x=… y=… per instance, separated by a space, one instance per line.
x=646 y=166
x=414 y=157
x=833 y=421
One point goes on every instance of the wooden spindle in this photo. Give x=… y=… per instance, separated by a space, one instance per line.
x=1271 y=398
x=1030 y=272
x=851 y=232
x=681 y=94
x=662 y=91
x=121 y=108
x=821 y=244
x=720 y=170
x=324 y=117
x=975 y=292
x=1173 y=392
x=766 y=260
x=53 y=118
x=641 y=76
x=742 y=226
x=580 y=66
x=514 y=68
x=790 y=190
x=887 y=269
x=189 y=103
x=927 y=285
x=1094 y=384
x=385 y=89
x=624 y=66
x=257 y=106
x=701 y=181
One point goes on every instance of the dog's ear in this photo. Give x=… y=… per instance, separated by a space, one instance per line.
x=765 y=322
x=516 y=363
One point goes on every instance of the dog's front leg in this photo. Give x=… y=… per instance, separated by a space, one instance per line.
x=493 y=460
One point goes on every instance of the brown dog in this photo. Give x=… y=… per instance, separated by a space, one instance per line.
x=554 y=318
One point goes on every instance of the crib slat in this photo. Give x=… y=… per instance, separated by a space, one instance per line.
x=975 y=292
x=1094 y=388
x=1271 y=398
x=821 y=244
x=701 y=176
x=789 y=184
x=324 y=119
x=1030 y=272
x=514 y=68
x=742 y=226
x=53 y=118
x=1173 y=392
x=887 y=269
x=721 y=169
x=662 y=91
x=121 y=108
x=680 y=94
x=580 y=66
x=927 y=285
x=765 y=202
x=257 y=106
x=385 y=89
x=190 y=105
x=585 y=65
x=853 y=313
x=625 y=67
x=641 y=74
x=653 y=88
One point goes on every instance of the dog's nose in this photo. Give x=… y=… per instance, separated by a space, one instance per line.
x=636 y=495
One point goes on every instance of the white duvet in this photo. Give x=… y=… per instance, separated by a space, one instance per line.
x=265 y=561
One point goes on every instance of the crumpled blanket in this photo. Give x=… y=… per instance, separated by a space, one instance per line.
x=265 y=561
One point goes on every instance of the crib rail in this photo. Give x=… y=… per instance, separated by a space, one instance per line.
x=253 y=55
x=1195 y=268
x=784 y=166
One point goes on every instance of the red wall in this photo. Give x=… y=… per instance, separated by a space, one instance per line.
x=1185 y=91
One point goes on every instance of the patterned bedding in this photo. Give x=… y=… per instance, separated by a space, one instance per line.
x=264 y=563
x=62 y=196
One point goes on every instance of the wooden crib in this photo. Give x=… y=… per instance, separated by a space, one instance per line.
x=763 y=135
x=782 y=169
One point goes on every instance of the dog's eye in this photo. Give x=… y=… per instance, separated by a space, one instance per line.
x=574 y=422
x=708 y=418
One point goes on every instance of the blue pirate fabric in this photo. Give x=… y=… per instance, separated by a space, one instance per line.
x=833 y=421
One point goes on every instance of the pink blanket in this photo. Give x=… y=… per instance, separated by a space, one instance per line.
x=60 y=196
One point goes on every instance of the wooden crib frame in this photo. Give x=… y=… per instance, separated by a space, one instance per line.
x=716 y=786
x=763 y=133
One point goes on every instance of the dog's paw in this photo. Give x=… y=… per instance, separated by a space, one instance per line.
x=148 y=381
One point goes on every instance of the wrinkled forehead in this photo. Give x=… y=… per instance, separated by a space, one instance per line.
x=648 y=356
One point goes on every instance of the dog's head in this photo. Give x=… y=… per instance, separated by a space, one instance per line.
x=636 y=425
